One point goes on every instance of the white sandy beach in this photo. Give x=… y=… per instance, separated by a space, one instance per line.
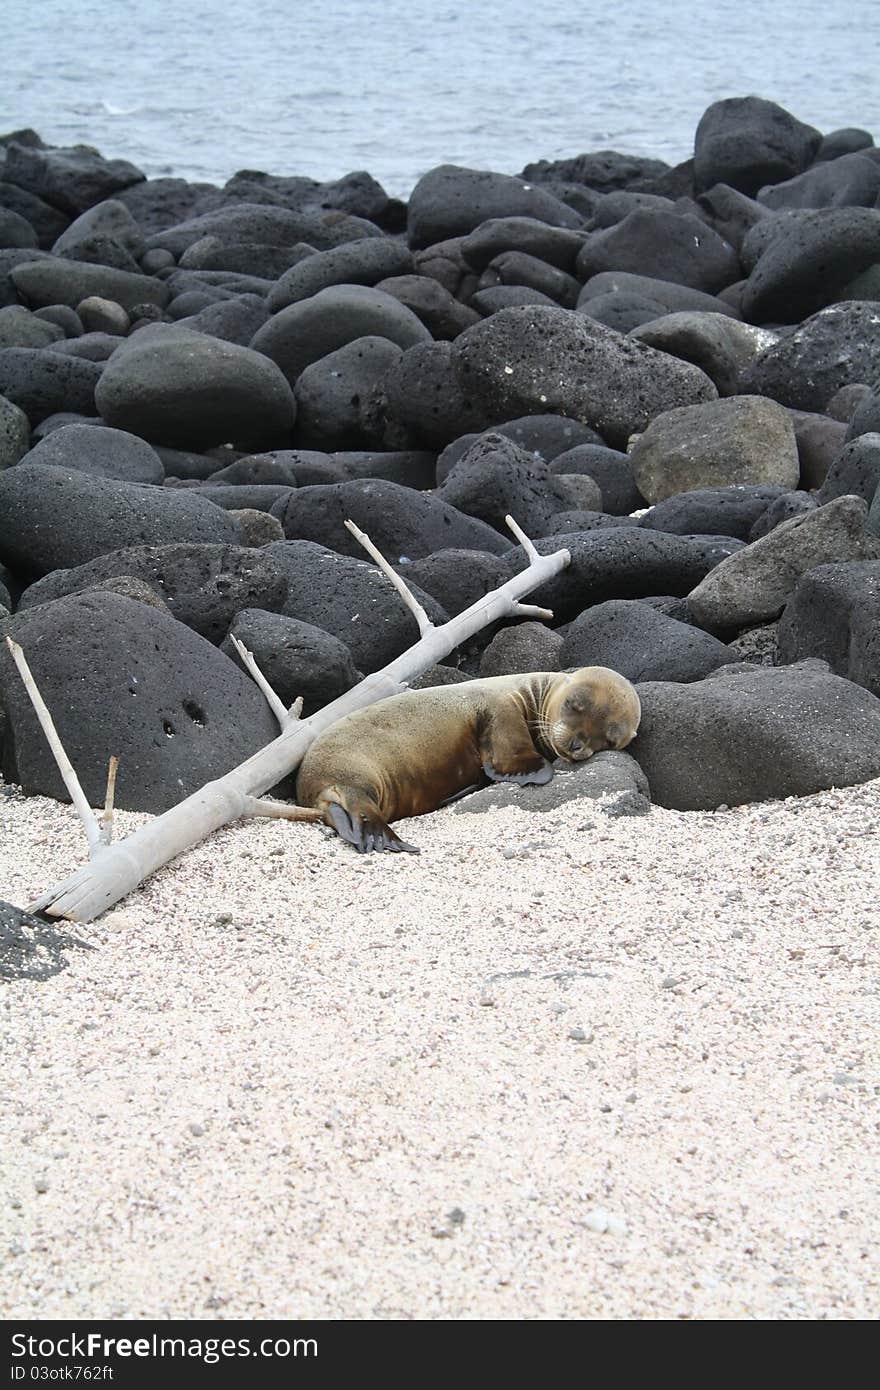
x=290 y=1081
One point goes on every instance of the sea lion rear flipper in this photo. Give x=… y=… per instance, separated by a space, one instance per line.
x=541 y=774
x=366 y=832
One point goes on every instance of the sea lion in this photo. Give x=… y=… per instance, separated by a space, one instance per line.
x=414 y=752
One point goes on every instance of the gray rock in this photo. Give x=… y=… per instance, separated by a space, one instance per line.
x=611 y=470
x=529 y=646
x=99 y=315
x=335 y=396
x=761 y=735
x=536 y=360
x=855 y=471
x=20 y=328
x=15 y=433
x=753 y=585
x=866 y=416
x=204 y=585
x=310 y=329
x=451 y=201
x=234 y=320
x=111 y=219
x=558 y=246
x=667 y=245
x=188 y=391
x=819 y=441
x=455 y=578
x=834 y=348
x=425 y=404
x=742 y=440
x=399 y=520
x=851 y=180
x=782 y=508
x=620 y=562
x=70 y=179
x=488 y=301
x=258 y=223
x=805 y=269
x=834 y=614
x=257 y=528
x=672 y=298
x=641 y=643
x=722 y=511
x=519 y=268
x=42 y=382
x=57 y=518
x=496 y=478
x=717 y=344
x=122 y=679
x=443 y=315
x=605 y=774
x=297 y=658
x=95 y=449
x=748 y=142
x=55 y=280
x=357 y=263
x=350 y=599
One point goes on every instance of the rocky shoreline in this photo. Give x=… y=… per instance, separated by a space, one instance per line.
x=672 y=372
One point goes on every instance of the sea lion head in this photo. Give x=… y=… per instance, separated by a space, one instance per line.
x=587 y=711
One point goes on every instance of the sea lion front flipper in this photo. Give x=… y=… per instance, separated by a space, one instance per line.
x=538 y=778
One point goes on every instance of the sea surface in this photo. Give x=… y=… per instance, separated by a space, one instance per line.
x=320 y=87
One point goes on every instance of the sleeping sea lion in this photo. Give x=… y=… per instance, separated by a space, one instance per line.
x=415 y=752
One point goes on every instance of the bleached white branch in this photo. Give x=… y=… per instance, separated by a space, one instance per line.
x=65 y=766
x=116 y=869
x=409 y=598
x=274 y=701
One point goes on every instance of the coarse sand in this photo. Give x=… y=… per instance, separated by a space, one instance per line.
x=558 y=1066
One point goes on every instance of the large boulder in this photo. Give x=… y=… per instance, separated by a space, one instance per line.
x=56 y=280
x=356 y=263
x=42 y=382
x=855 y=471
x=70 y=179
x=15 y=433
x=742 y=736
x=739 y=440
x=204 y=585
x=401 y=521
x=839 y=346
x=850 y=181
x=351 y=599
x=753 y=585
x=621 y=562
x=641 y=643
x=258 y=224
x=98 y=450
x=708 y=511
x=189 y=391
x=298 y=659
x=747 y=142
x=451 y=201
x=809 y=265
x=336 y=397
x=534 y=360
x=57 y=518
x=716 y=343
x=834 y=614
x=497 y=477
x=123 y=679
x=311 y=328
x=665 y=245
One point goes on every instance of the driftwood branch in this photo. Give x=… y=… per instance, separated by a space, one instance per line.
x=116 y=869
x=65 y=766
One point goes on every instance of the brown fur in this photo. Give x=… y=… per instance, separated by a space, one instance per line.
x=411 y=753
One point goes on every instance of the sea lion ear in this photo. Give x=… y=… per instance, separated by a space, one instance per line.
x=613 y=734
x=578 y=702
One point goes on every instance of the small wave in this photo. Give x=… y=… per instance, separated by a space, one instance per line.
x=113 y=110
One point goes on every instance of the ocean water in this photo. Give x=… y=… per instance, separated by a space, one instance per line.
x=320 y=87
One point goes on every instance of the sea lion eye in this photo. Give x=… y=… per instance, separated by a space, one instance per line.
x=576 y=745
